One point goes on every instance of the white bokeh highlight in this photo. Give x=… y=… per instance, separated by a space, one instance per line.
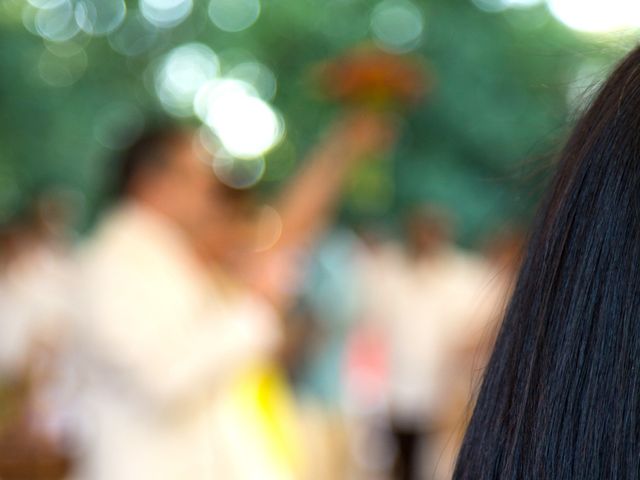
x=246 y=125
x=181 y=74
x=234 y=15
x=597 y=16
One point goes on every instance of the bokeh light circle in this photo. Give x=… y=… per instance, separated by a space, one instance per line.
x=61 y=72
x=234 y=15
x=259 y=76
x=165 y=13
x=501 y=5
x=182 y=73
x=246 y=125
x=238 y=173
x=135 y=36
x=596 y=16
x=57 y=23
x=397 y=24
x=46 y=4
x=100 y=17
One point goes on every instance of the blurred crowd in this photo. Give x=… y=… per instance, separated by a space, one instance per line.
x=201 y=331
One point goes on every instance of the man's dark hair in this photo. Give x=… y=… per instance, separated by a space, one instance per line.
x=149 y=152
x=561 y=394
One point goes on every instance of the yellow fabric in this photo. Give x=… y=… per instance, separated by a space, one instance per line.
x=264 y=400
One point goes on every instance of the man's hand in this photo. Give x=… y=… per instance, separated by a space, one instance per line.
x=362 y=134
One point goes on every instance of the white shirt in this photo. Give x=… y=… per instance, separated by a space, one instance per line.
x=154 y=346
x=34 y=306
x=424 y=309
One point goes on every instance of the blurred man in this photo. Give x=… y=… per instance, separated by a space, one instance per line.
x=424 y=302
x=35 y=305
x=161 y=337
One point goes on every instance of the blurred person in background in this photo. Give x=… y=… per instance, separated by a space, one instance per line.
x=266 y=249
x=35 y=307
x=327 y=310
x=424 y=307
x=35 y=276
x=162 y=336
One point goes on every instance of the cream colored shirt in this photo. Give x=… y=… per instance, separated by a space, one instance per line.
x=154 y=347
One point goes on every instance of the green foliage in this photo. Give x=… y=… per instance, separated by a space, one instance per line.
x=497 y=114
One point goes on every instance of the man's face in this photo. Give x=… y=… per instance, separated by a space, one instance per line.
x=187 y=184
x=200 y=203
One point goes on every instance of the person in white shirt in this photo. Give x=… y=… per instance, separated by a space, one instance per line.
x=427 y=300
x=35 y=305
x=158 y=339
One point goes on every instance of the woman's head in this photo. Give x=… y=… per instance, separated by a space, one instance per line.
x=561 y=394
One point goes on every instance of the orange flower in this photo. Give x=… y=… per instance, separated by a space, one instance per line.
x=369 y=77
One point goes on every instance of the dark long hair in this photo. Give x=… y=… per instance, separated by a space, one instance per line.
x=561 y=394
